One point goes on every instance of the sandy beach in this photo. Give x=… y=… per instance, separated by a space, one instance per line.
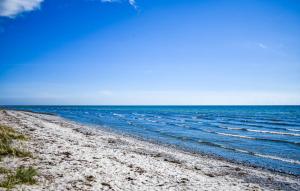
x=70 y=156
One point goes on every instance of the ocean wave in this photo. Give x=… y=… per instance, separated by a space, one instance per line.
x=210 y=144
x=234 y=135
x=292 y=161
x=278 y=158
x=241 y=151
x=258 y=125
x=118 y=115
x=129 y=122
x=280 y=123
x=294 y=130
x=264 y=131
x=254 y=138
x=153 y=121
x=261 y=121
x=275 y=124
x=274 y=132
x=231 y=128
x=138 y=114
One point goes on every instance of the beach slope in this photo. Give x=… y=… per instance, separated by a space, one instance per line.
x=70 y=156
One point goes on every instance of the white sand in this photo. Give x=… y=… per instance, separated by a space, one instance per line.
x=70 y=156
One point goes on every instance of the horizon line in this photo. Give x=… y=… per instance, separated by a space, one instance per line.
x=104 y=105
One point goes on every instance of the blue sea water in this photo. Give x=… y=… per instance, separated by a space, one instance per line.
x=264 y=136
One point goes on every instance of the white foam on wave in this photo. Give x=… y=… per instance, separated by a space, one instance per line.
x=118 y=115
x=295 y=130
x=278 y=158
x=265 y=131
x=266 y=156
x=234 y=135
x=234 y=128
x=292 y=161
x=242 y=151
x=269 y=156
x=274 y=132
x=152 y=121
x=231 y=128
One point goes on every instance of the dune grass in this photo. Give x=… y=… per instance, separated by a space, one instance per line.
x=21 y=175
x=6 y=149
x=4 y=170
x=7 y=135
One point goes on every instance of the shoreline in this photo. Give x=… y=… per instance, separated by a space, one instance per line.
x=149 y=165
x=184 y=150
x=158 y=143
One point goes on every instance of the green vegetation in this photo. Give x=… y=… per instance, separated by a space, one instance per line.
x=7 y=135
x=21 y=175
x=8 y=150
x=4 y=170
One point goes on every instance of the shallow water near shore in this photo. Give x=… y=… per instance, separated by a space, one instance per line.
x=265 y=136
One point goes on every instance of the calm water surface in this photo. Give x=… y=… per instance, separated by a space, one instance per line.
x=265 y=136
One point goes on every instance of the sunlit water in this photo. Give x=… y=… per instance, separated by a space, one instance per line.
x=265 y=136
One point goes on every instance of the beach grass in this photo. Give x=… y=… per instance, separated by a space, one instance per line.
x=21 y=175
x=7 y=136
x=6 y=149
x=4 y=170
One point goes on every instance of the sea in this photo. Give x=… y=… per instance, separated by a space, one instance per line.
x=261 y=136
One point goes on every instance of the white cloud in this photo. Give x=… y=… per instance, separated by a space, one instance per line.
x=11 y=8
x=133 y=3
x=109 y=1
x=263 y=46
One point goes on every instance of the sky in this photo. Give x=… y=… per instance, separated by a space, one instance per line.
x=149 y=52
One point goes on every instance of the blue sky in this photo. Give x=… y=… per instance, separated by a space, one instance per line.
x=149 y=52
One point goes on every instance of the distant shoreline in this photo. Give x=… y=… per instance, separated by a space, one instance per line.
x=75 y=155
